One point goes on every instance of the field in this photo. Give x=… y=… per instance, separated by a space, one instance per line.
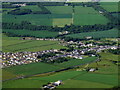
x=69 y=80
x=88 y=16
x=98 y=34
x=59 y=14
x=110 y=6
x=59 y=22
x=14 y=44
x=32 y=7
x=40 y=34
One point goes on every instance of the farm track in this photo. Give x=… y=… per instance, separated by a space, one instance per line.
x=52 y=71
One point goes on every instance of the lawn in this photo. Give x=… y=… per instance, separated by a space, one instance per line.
x=88 y=16
x=14 y=44
x=60 y=22
x=98 y=34
x=110 y=6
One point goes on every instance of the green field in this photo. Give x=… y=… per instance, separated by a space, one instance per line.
x=74 y=62
x=88 y=16
x=40 y=34
x=32 y=7
x=35 y=19
x=77 y=79
x=59 y=21
x=110 y=6
x=98 y=34
x=14 y=44
x=60 y=9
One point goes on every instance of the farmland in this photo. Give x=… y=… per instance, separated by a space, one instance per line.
x=14 y=44
x=110 y=6
x=84 y=14
x=98 y=34
x=32 y=7
x=40 y=34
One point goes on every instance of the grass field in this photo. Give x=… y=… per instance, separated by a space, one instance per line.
x=32 y=7
x=14 y=44
x=88 y=16
x=62 y=21
x=60 y=9
x=40 y=34
x=110 y=6
x=98 y=34
x=35 y=19
x=75 y=62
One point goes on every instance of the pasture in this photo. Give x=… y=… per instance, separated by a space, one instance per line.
x=61 y=21
x=32 y=7
x=60 y=9
x=88 y=16
x=14 y=44
x=98 y=34
x=110 y=6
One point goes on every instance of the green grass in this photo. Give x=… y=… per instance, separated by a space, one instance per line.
x=41 y=34
x=14 y=44
x=88 y=16
x=35 y=19
x=32 y=7
x=59 y=21
x=30 y=69
x=60 y=9
x=110 y=6
x=74 y=62
x=98 y=34
x=83 y=84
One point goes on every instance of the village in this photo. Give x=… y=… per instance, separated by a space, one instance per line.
x=75 y=50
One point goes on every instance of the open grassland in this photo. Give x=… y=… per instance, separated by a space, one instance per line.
x=75 y=62
x=37 y=68
x=110 y=6
x=71 y=79
x=35 y=19
x=14 y=44
x=60 y=9
x=61 y=22
x=32 y=7
x=40 y=34
x=88 y=16
x=98 y=34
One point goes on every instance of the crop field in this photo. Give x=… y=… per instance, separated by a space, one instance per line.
x=60 y=9
x=98 y=34
x=14 y=44
x=75 y=78
x=61 y=21
x=110 y=6
x=88 y=16
x=40 y=34
x=35 y=19
x=75 y=62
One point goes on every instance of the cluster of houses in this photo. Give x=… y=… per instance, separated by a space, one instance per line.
x=52 y=85
x=24 y=4
x=19 y=58
x=45 y=39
